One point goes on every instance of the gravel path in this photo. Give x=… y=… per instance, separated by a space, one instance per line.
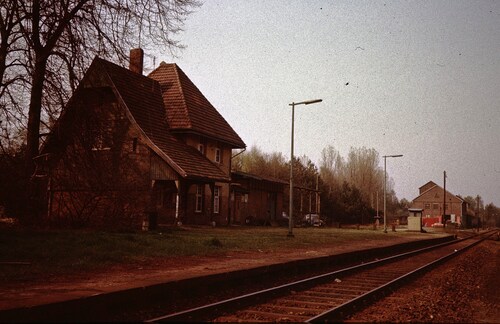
x=464 y=290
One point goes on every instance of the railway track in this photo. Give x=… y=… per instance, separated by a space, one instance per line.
x=330 y=296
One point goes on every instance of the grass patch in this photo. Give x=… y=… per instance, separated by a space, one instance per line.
x=53 y=252
x=215 y=242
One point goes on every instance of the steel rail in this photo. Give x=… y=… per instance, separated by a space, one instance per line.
x=336 y=313
x=239 y=302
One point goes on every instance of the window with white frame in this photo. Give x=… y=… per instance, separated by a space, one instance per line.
x=201 y=148
x=218 y=155
x=217 y=190
x=199 y=199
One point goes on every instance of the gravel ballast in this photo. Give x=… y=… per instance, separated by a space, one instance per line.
x=463 y=290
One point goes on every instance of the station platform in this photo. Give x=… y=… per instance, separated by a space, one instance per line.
x=92 y=292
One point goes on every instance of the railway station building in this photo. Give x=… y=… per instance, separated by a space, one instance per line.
x=256 y=199
x=434 y=202
x=133 y=151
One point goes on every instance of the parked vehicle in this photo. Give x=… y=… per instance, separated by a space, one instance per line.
x=312 y=220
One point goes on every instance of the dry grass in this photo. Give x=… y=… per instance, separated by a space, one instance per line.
x=30 y=253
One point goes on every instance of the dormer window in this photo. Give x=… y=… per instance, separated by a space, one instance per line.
x=201 y=148
x=218 y=155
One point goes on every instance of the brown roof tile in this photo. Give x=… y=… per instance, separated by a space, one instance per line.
x=142 y=97
x=188 y=109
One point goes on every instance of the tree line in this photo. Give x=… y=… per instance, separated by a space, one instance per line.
x=349 y=186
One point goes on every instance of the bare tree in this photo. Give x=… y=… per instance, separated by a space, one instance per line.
x=12 y=49
x=46 y=46
x=364 y=171
x=361 y=170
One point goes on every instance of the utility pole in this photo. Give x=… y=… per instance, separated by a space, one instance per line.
x=444 y=202
x=385 y=181
x=317 y=195
x=477 y=212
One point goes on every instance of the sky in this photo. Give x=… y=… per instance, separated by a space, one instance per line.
x=418 y=78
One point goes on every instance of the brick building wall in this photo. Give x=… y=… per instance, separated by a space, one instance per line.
x=431 y=200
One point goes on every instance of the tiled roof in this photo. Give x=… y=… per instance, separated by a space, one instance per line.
x=187 y=108
x=430 y=183
x=245 y=175
x=435 y=186
x=142 y=96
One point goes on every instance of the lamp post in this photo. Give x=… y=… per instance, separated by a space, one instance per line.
x=385 y=180
x=443 y=219
x=290 y=219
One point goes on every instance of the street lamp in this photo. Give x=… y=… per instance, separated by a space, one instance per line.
x=290 y=219
x=385 y=180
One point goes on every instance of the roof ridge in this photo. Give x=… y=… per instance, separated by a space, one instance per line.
x=162 y=63
x=189 y=83
x=183 y=96
x=188 y=109
x=436 y=185
x=427 y=184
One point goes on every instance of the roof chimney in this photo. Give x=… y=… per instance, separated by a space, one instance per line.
x=136 y=60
